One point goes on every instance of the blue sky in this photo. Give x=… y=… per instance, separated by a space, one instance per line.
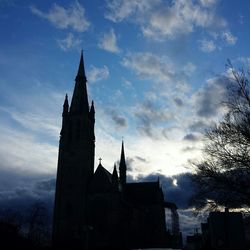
x=154 y=70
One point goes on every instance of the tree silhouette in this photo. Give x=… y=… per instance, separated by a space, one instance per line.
x=37 y=223
x=222 y=178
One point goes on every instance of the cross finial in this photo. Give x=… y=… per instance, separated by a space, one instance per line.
x=100 y=160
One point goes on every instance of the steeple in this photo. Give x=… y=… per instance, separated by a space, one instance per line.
x=122 y=167
x=114 y=174
x=92 y=111
x=81 y=69
x=79 y=103
x=66 y=106
x=115 y=179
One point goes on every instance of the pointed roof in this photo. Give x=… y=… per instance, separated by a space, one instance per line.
x=122 y=159
x=114 y=174
x=79 y=102
x=92 y=111
x=81 y=69
x=66 y=105
x=102 y=180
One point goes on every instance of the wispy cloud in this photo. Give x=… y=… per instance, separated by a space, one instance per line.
x=64 y=18
x=229 y=38
x=120 y=121
x=159 y=20
x=147 y=65
x=69 y=42
x=150 y=116
x=207 y=45
x=97 y=74
x=109 y=42
x=23 y=152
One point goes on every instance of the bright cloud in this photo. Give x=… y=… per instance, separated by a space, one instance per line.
x=22 y=152
x=69 y=42
x=159 y=19
x=207 y=45
x=64 y=18
x=109 y=42
x=97 y=74
x=148 y=66
x=229 y=38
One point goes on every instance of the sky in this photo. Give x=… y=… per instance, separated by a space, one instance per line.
x=155 y=72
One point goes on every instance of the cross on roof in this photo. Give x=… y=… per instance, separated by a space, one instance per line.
x=100 y=160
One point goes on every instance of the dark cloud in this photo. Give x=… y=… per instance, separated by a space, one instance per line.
x=46 y=185
x=208 y=100
x=179 y=193
x=119 y=120
x=199 y=126
x=19 y=191
x=178 y=102
x=149 y=115
x=190 y=137
x=140 y=159
x=129 y=163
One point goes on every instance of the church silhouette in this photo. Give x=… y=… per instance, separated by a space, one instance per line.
x=97 y=209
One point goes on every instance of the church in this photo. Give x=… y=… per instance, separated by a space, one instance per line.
x=96 y=209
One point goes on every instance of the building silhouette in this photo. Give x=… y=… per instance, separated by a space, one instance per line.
x=99 y=209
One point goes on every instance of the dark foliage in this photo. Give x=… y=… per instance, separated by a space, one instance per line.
x=223 y=177
x=25 y=231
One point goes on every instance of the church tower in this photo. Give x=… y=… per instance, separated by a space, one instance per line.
x=75 y=165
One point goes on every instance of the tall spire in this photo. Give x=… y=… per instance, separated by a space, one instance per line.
x=81 y=69
x=92 y=111
x=66 y=105
x=115 y=179
x=123 y=167
x=79 y=103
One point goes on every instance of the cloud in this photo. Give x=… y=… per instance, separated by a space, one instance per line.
x=189 y=68
x=190 y=137
x=69 y=42
x=142 y=159
x=208 y=100
x=46 y=185
x=149 y=116
x=229 y=38
x=149 y=66
x=40 y=122
x=108 y=42
x=178 y=102
x=119 y=120
x=65 y=18
x=198 y=126
x=23 y=152
x=208 y=3
x=97 y=74
x=160 y=19
x=189 y=149
x=177 y=189
x=207 y=45
x=19 y=190
x=29 y=131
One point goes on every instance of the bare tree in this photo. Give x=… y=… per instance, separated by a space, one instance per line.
x=222 y=178
x=37 y=222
